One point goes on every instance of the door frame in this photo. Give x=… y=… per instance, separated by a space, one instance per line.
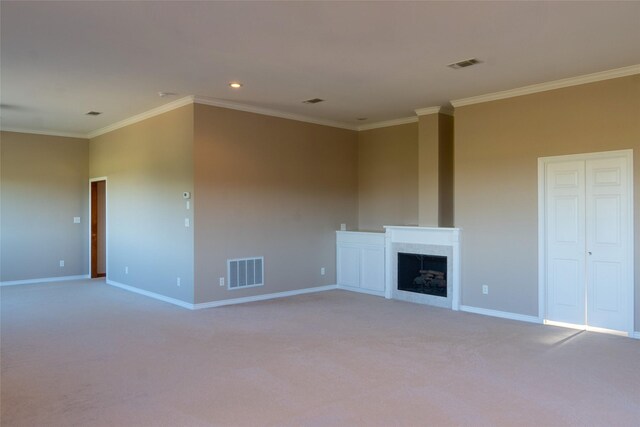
x=106 y=224
x=542 y=268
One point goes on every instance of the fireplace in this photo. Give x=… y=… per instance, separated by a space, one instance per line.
x=422 y=274
x=423 y=265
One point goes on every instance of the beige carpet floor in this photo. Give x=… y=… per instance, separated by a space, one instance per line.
x=87 y=354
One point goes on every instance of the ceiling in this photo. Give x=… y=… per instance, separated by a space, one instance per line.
x=373 y=60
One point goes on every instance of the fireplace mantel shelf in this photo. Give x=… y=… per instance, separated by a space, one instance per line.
x=418 y=228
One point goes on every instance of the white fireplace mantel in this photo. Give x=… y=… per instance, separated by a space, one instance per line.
x=422 y=237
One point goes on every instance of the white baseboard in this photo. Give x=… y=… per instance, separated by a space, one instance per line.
x=263 y=297
x=635 y=335
x=154 y=295
x=211 y=304
x=360 y=290
x=43 y=279
x=503 y=314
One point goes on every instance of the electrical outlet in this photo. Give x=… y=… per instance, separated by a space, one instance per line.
x=485 y=289
x=343 y=227
x=187 y=223
x=61 y=263
x=222 y=281
x=178 y=282
x=126 y=270
x=76 y=220
x=322 y=271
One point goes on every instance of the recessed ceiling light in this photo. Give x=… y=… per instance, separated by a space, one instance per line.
x=93 y=113
x=166 y=94
x=313 y=101
x=464 y=63
x=235 y=85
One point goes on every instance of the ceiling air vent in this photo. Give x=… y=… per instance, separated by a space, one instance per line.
x=93 y=113
x=313 y=101
x=464 y=64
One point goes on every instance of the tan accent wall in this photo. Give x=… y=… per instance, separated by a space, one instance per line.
x=148 y=166
x=435 y=176
x=271 y=187
x=44 y=184
x=445 y=170
x=497 y=146
x=388 y=177
x=428 y=176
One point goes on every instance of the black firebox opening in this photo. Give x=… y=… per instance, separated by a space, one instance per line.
x=423 y=274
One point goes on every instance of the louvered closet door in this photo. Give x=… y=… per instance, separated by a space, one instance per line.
x=587 y=245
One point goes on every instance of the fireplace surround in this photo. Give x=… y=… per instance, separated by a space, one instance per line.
x=435 y=243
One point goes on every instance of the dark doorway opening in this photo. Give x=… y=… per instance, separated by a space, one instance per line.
x=98 y=228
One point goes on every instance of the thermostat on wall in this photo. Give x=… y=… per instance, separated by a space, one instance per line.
x=186 y=195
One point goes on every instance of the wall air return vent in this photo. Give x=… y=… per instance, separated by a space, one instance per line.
x=463 y=64
x=245 y=272
x=313 y=101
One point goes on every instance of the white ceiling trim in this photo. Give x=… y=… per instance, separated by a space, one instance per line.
x=387 y=123
x=46 y=132
x=542 y=87
x=216 y=103
x=269 y=112
x=142 y=116
x=428 y=110
x=434 y=110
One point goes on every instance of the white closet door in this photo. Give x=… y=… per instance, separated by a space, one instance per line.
x=587 y=234
x=607 y=213
x=565 y=239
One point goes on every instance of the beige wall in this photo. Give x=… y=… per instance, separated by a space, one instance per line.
x=497 y=146
x=148 y=166
x=388 y=177
x=43 y=186
x=271 y=187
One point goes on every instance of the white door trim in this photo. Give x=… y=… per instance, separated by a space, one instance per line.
x=106 y=224
x=542 y=268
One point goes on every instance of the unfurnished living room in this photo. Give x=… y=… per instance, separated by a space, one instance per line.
x=319 y=213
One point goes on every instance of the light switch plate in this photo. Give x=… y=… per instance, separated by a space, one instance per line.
x=76 y=220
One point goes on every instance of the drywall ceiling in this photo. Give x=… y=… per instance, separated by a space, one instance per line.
x=374 y=60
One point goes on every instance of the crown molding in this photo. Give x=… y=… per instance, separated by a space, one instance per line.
x=543 y=87
x=434 y=110
x=426 y=111
x=387 y=123
x=46 y=132
x=142 y=116
x=269 y=112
